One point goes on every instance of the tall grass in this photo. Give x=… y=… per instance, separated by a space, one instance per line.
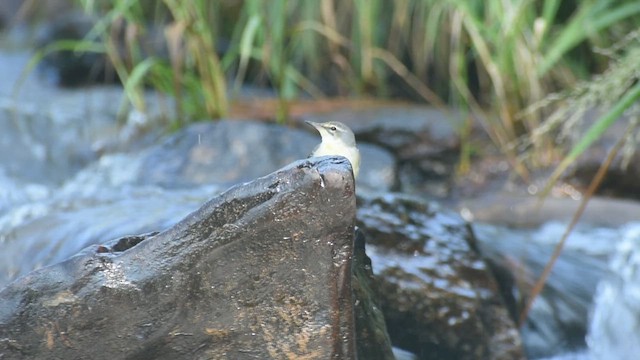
x=614 y=93
x=491 y=59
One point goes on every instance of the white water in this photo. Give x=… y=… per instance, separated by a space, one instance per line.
x=614 y=332
x=614 y=313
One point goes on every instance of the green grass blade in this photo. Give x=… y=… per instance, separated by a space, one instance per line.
x=60 y=45
x=549 y=11
x=590 y=20
x=594 y=133
x=610 y=17
x=246 y=46
x=133 y=85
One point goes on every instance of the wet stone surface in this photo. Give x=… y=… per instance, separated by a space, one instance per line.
x=439 y=298
x=262 y=271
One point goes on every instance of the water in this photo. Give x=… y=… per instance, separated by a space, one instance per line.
x=595 y=284
x=615 y=322
x=45 y=225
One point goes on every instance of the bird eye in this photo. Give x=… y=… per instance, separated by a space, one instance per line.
x=333 y=128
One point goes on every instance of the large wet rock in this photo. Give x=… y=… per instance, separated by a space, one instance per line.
x=264 y=270
x=439 y=297
x=36 y=146
x=371 y=327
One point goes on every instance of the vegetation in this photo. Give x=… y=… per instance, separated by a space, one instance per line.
x=615 y=93
x=495 y=60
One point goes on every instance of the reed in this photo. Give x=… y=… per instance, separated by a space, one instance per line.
x=492 y=59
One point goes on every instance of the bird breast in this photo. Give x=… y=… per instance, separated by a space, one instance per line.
x=338 y=148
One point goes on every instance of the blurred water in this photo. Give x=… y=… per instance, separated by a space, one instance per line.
x=615 y=325
x=44 y=225
x=598 y=270
x=62 y=187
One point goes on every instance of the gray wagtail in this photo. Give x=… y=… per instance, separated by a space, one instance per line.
x=337 y=139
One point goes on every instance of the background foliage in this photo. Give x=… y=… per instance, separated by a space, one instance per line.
x=496 y=60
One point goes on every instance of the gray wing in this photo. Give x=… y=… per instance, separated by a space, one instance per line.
x=314 y=150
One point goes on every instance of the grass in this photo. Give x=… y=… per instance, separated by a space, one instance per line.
x=494 y=60
x=615 y=93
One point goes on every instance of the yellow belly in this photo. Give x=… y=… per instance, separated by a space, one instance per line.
x=351 y=153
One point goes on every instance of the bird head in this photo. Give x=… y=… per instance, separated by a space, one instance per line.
x=334 y=131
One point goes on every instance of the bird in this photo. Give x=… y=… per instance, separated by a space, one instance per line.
x=337 y=139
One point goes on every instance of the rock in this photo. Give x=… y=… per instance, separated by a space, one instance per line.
x=621 y=180
x=228 y=152
x=621 y=177
x=439 y=298
x=48 y=135
x=262 y=271
x=526 y=211
x=377 y=168
x=370 y=324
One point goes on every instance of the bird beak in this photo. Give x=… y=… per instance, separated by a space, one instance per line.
x=314 y=124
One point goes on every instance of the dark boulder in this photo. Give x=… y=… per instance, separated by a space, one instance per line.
x=263 y=270
x=439 y=298
x=371 y=329
x=621 y=178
